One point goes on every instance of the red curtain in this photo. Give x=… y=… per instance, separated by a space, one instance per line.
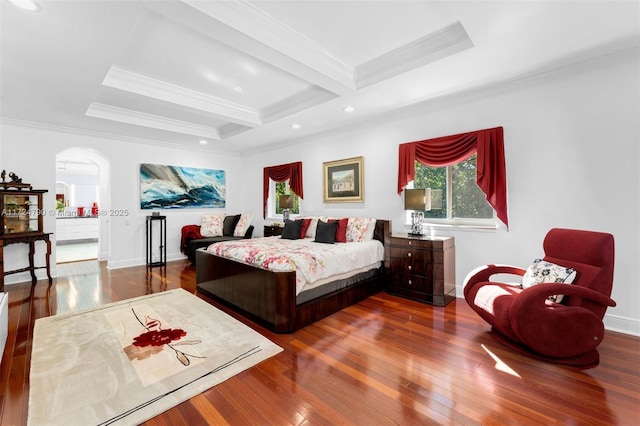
x=291 y=172
x=491 y=174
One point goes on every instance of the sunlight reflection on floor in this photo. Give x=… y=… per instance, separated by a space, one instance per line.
x=500 y=365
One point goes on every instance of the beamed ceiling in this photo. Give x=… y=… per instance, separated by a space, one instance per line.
x=239 y=74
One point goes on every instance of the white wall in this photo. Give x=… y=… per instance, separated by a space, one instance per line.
x=126 y=234
x=571 y=143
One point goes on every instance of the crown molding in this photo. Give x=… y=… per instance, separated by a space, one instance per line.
x=440 y=44
x=139 y=84
x=257 y=24
x=111 y=136
x=123 y=115
x=296 y=103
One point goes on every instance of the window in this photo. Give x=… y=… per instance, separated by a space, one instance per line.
x=455 y=196
x=282 y=188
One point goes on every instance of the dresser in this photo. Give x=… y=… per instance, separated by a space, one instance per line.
x=272 y=231
x=421 y=268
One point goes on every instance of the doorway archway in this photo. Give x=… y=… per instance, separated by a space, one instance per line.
x=89 y=161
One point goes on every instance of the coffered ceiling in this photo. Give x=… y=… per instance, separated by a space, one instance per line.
x=245 y=75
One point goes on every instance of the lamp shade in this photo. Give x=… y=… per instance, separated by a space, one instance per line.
x=286 y=201
x=417 y=199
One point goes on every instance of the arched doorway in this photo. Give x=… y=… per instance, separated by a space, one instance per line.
x=82 y=182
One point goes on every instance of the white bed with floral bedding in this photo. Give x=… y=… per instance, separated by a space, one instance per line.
x=314 y=263
x=285 y=283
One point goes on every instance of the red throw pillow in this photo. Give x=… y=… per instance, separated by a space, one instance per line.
x=341 y=230
x=304 y=227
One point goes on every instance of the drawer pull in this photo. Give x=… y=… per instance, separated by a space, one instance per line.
x=409 y=254
x=409 y=242
x=410 y=282
x=409 y=267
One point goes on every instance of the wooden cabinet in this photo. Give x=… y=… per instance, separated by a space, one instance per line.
x=421 y=268
x=22 y=211
x=272 y=231
x=21 y=222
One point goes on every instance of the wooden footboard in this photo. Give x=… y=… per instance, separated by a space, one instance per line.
x=269 y=298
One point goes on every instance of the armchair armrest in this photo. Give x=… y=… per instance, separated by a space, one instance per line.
x=485 y=272
x=538 y=294
x=557 y=330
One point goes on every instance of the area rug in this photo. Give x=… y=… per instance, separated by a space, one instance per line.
x=128 y=361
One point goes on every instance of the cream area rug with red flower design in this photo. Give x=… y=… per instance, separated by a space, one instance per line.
x=126 y=362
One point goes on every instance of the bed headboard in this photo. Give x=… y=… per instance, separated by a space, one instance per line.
x=382 y=231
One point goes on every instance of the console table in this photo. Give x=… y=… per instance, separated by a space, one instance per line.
x=30 y=239
x=161 y=257
x=421 y=268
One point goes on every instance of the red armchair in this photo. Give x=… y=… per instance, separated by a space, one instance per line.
x=525 y=320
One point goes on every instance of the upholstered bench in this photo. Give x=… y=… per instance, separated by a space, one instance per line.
x=232 y=227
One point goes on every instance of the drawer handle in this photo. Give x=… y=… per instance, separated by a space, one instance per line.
x=410 y=282
x=409 y=254
x=409 y=267
x=409 y=242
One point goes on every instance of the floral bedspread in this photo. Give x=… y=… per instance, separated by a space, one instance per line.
x=311 y=261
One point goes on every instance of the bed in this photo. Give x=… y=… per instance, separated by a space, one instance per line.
x=273 y=299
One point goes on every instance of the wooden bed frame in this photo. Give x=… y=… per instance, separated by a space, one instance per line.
x=269 y=298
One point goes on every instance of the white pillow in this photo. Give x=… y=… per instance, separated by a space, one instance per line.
x=541 y=271
x=360 y=229
x=370 y=230
x=243 y=224
x=212 y=225
x=311 y=230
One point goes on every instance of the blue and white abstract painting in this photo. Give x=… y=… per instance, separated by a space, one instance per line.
x=173 y=187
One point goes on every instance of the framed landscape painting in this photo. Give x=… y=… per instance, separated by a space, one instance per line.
x=343 y=180
x=174 y=187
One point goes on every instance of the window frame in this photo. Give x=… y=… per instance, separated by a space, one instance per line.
x=481 y=223
x=272 y=208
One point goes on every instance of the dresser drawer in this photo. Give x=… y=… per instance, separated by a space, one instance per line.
x=410 y=253
x=411 y=282
x=410 y=265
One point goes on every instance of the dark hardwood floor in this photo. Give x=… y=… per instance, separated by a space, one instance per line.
x=385 y=360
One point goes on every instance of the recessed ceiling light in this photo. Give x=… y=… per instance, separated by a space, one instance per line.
x=29 y=5
x=348 y=109
x=203 y=142
x=295 y=126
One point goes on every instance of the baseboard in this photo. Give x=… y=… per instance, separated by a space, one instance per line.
x=622 y=324
x=140 y=261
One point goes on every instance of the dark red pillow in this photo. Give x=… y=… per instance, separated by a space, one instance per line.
x=341 y=230
x=304 y=227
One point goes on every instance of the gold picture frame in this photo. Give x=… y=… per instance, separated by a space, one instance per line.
x=343 y=180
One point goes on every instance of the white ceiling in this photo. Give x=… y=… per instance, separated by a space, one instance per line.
x=239 y=73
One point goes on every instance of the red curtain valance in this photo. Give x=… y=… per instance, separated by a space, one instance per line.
x=291 y=172
x=491 y=175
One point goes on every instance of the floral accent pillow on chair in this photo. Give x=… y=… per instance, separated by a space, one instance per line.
x=541 y=271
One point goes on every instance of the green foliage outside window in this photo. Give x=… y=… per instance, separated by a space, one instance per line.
x=282 y=188
x=467 y=200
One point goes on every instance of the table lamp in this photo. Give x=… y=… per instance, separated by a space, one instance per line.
x=417 y=200
x=286 y=203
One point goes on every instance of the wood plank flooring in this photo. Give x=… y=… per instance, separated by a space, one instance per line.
x=383 y=361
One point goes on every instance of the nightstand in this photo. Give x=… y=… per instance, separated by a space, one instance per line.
x=421 y=268
x=272 y=231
